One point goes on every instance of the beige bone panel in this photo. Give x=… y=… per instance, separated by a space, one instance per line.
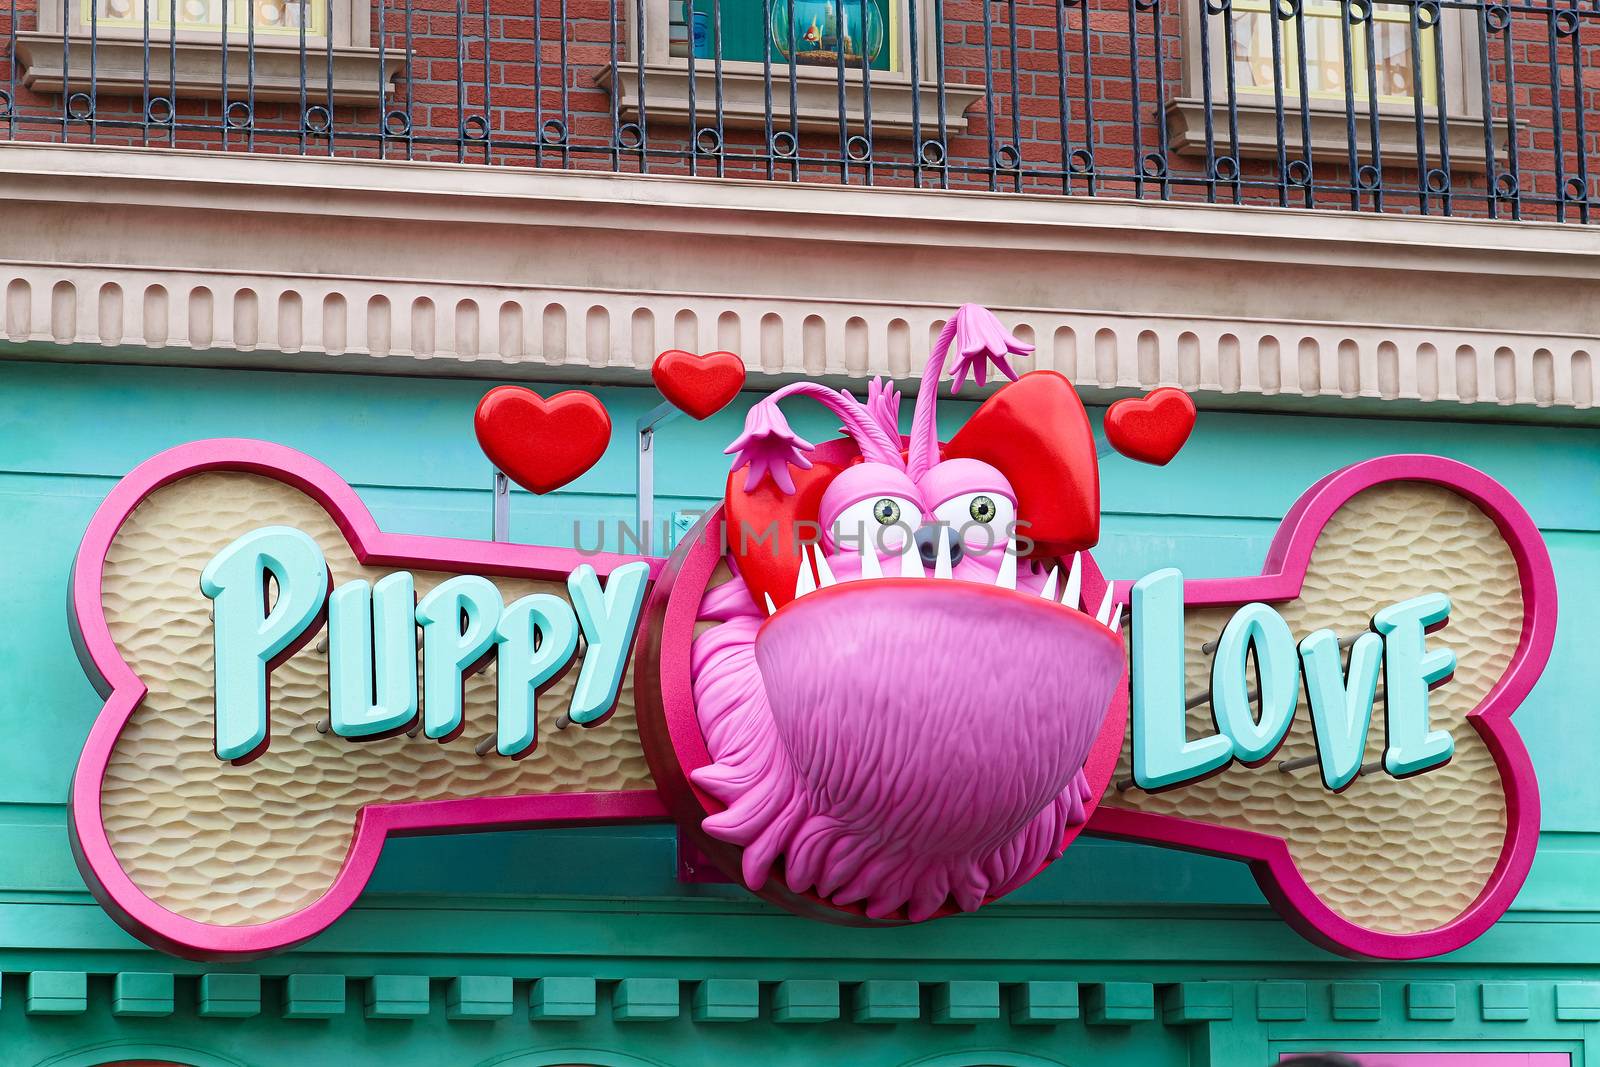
x=1396 y=856
x=239 y=845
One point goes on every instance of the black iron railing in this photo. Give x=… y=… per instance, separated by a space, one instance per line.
x=1425 y=106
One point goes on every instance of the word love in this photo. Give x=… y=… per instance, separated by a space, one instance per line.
x=373 y=647
x=1252 y=724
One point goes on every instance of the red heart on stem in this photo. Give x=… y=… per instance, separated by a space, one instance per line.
x=1151 y=428
x=541 y=444
x=699 y=386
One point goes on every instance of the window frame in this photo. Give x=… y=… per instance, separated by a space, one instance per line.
x=1257 y=112
x=191 y=60
x=816 y=107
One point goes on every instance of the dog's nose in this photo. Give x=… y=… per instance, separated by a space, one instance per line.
x=928 y=544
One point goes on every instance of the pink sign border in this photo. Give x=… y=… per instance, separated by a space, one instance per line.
x=123 y=690
x=1281 y=579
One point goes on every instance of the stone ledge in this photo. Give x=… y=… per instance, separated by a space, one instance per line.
x=180 y=257
x=194 y=69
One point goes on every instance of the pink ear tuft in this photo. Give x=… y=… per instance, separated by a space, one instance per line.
x=981 y=339
x=883 y=404
x=769 y=448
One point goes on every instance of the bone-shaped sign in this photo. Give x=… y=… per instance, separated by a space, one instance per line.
x=210 y=858
x=1393 y=866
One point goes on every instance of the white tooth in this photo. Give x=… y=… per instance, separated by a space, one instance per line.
x=1049 y=591
x=941 y=559
x=871 y=565
x=1116 y=620
x=1007 y=578
x=911 y=559
x=1103 y=616
x=825 y=576
x=772 y=609
x=805 y=583
x=1070 y=595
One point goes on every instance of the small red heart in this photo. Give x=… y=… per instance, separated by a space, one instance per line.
x=541 y=444
x=1151 y=428
x=1036 y=432
x=699 y=386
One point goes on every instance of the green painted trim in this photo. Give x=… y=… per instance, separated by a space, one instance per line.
x=58 y=992
x=886 y=1000
x=1196 y=1002
x=1578 y=1001
x=313 y=996
x=646 y=1000
x=142 y=994
x=1043 y=1003
x=726 y=1000
x=397 y=996
x=478 y=997
x=955 y=1003
x=1431 y=1001
x=1280 y=1001
x=805 y=1001
x=562 y=998
x=1505 y=1002
x=230 y=996
x=1118 y=1003
x=1357 y=1001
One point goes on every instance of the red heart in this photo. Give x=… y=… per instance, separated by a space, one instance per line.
x=699 y=386
x=541 y=444
x=1036 y=432
x=1151 y=428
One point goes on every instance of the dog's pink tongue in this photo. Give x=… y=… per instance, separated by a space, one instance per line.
x=942 y=715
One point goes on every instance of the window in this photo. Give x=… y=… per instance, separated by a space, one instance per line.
x=810 y=30
x=186 y=51
x=1382 y=57
x=1392 y=62
x=271 y=18
x=804 y=43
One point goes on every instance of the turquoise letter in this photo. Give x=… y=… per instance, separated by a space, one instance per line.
x=458 y=620
x=538 y=637
x=368 y=701
x=248 y=636
x=1341 y=710
x=1410 y=669
x=1277 y=668
x=608 y=621
x=1163 y=755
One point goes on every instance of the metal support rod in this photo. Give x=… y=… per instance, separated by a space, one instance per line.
x=1290 y=765
x=502 y=506
x=649 y=422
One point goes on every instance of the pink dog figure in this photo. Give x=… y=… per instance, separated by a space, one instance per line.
x=905 y=733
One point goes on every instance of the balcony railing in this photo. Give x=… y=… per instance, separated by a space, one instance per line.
x=1439 y=107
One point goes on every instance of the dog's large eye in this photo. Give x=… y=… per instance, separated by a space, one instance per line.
x=885 y=521
x=984 y=520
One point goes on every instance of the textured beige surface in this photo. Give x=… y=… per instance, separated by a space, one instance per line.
x=1397 y=856
x=237 y=845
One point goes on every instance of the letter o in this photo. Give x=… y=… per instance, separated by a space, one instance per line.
x=1278 y=667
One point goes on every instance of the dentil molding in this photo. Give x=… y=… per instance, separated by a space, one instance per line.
x=216 y=259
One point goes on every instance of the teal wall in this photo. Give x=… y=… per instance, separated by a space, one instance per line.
x=1127 y=954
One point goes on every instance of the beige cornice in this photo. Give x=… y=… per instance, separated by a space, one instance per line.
x=213 y=259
